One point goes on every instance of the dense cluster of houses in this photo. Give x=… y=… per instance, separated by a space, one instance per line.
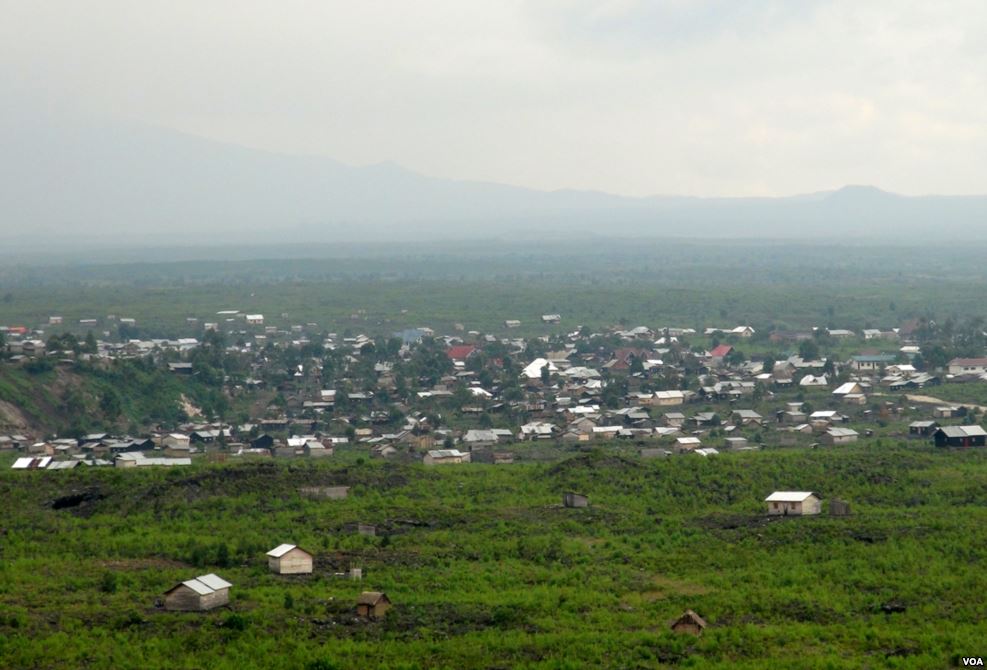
x=472 y=397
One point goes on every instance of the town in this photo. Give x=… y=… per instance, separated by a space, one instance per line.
x=283 y=389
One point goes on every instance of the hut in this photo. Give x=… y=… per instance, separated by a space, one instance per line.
x=690 y=623
x=372 y=605
x=570 y=499
x=203 y=593
x=839 y=507
x=289 y=559
x=793 y=503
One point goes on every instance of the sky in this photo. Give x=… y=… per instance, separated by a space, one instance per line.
x=659 y=97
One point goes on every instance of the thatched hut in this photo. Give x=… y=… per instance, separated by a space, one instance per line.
x=372 y=605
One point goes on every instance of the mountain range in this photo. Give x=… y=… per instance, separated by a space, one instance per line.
x=92 y=183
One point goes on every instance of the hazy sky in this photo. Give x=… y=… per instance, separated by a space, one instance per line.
x=703 y=97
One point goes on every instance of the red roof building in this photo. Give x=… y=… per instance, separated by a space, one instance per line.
x=461 y=352
x=721 y=351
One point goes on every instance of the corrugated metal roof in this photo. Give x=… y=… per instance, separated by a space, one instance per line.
x=280 y=550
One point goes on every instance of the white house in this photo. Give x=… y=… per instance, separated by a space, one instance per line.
x=793 y=503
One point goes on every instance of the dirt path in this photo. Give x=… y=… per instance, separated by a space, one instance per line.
x=939 y=401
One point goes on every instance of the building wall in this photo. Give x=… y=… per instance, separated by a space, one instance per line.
x=184 y=599
x=295 y=562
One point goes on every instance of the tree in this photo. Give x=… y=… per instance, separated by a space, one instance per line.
x=808 y=350
x=546 y=374
x=769 y=364
x=90 y=346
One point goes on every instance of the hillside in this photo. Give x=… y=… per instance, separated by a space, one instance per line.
x=127 y=396
x=486 y=569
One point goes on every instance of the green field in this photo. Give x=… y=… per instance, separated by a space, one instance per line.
x=610 y=282
x=487 y=570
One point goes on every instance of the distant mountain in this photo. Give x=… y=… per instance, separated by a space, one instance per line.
x=90 y=184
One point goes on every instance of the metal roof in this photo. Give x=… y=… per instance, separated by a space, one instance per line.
x=280 y=550
x=199 y=587
x=214 y=582
x=788 y=496
x=963 y=431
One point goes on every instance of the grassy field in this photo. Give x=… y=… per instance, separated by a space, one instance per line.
x=487 y=570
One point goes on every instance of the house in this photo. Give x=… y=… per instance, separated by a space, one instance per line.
x=461 y=352
x=948 y=412
x=668 y=398
x=811 y=381
x=960 y=436
x=687 y=443
x=570 y=499
x=255 y=319
x=836 y=435
x=793 y=503
x=512 y=323
x=175 y=440
x=372 y=605
x=29 y=463
x=551 y=318
x=316 y=449
x=689 y=623
x=289 y=559
x=445 y=457
x=719 y=354
x=736 y=442
x=967 y=366
x=871 y=362
x=922 y=428
x=198 y=595
x=747 y=417
x=134 y=459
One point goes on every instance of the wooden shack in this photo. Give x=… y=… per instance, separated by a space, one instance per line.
x=289 y=559
x=203 y=593
x=839 y=507
x=689 y=623
x=372 y=605
x=570 y=499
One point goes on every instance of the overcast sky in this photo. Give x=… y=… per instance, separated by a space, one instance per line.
x=701 y=97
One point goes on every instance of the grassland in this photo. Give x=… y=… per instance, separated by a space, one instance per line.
x=487 y=570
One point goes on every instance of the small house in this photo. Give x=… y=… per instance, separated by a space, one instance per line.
x=372 y=605
x=289 y=559
x=836 y=435
x=570 y=499
x=689 y=623
x=960 y=436
x=203 y=593
x=445 y=456
x=922 y=428
x=793 y=503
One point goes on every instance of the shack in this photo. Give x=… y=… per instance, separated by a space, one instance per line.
x=372 y=605
x=289 y=559
x=203 y=593
x=689 y=623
